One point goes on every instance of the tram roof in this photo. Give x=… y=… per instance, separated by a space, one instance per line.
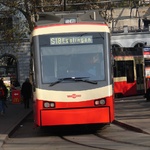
x=70 y=17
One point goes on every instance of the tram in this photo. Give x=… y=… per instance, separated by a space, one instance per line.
x=128 y=71
x=146 y=53
x=72 y=69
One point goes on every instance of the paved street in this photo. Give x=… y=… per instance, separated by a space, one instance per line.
x=132 y=113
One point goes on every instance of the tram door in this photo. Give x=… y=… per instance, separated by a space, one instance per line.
x=130 y=71
x=139 y=75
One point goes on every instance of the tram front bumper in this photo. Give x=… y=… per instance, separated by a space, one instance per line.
x=75 y=116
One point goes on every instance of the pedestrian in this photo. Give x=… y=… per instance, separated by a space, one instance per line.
x=3 y=96
x=26 y=92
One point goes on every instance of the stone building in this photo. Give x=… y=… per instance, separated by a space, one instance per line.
x=14 y=56
x=15 y=64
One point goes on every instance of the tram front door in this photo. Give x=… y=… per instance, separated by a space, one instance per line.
x=139 y=75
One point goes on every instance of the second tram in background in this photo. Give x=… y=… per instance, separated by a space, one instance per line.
x=72 y=69
x=128 y=71
x=146 y=53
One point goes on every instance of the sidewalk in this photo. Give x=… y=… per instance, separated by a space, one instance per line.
x=132 y=114
x=15 y=113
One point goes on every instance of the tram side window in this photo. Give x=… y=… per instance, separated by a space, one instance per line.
x=119 y=68
x=124 y=69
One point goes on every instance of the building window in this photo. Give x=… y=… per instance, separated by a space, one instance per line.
x=139 y=45
x=115 y=46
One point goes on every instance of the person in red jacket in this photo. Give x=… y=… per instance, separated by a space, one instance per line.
x=3 y=96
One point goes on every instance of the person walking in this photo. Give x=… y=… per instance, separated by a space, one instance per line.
x=26 y=92
x=3 y=96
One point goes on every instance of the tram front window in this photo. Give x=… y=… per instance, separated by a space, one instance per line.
x=72 y=61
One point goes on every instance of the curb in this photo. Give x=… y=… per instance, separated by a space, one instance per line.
x=21 y=119
x=129 y=127
x=4 y=137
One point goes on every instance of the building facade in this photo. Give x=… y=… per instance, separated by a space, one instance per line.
x=15 y=64
x=130 y=27
x=130 y=38
x=14 y=56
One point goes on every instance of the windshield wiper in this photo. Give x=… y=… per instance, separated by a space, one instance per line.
x=83 y=79
x=76 y=79
x=59 y=80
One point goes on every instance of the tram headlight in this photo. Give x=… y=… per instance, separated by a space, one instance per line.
x=100 y=102
x=52 y=105
x=70 y=20
x=46 y=105
x=49 y=105
x=96 y=102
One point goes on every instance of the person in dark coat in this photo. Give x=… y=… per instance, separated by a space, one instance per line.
x=26 y=92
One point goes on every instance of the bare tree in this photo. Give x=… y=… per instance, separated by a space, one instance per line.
x=30 y=8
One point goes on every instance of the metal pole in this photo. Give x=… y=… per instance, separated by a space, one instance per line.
x=64 y=5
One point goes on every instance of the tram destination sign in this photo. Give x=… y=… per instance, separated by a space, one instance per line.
x=71 y=40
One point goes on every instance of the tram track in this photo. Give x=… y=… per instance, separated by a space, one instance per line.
x=85 y=145
x=75 y=140
x=109 y=139
x=119 y=141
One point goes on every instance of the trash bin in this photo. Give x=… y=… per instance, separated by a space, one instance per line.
x=16 y=96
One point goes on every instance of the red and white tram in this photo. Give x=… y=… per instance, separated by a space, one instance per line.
x=128 y=71
x=72 y=69
x=146 y=53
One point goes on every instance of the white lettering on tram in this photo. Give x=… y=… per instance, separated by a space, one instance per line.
x=71 y=40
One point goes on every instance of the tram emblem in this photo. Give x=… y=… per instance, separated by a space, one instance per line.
x=73 y=96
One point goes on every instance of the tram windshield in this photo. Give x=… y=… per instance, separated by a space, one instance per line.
x=72 y=61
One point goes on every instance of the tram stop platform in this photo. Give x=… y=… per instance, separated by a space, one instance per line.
x=132 y=113
x=14 y=115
